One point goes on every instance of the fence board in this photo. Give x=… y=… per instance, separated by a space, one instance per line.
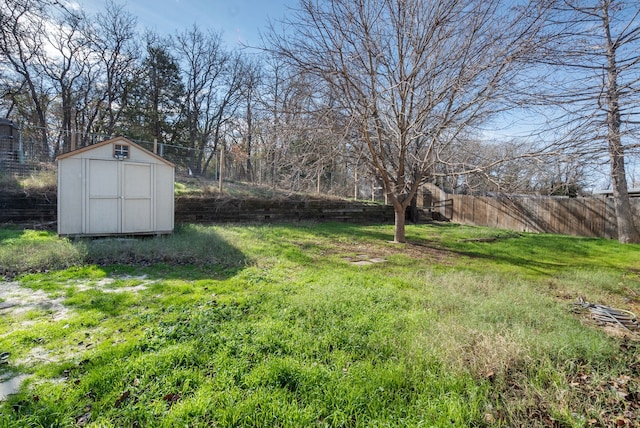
x=593 y=217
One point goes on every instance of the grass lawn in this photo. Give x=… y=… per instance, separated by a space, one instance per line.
x=317 y=325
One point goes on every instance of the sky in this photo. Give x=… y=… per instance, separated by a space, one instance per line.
x=239 y=21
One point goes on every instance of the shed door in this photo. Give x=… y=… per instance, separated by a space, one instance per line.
x=119 y=197
x=136 y=191
x=104 y=197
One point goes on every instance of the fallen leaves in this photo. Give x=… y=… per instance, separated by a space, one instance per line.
x=619 y=396
x=171 y=398
x=125 y=395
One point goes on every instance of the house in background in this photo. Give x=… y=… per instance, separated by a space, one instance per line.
x=115 y=187
x=634 y=192
x=9 y=143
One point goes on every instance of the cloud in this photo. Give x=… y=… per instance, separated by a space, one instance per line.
x=71 y=5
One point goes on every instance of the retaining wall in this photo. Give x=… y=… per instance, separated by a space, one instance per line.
x=41 y=209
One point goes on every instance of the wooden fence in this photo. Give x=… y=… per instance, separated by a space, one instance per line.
x=593 y=217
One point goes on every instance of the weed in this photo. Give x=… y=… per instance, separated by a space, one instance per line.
x=37 y=181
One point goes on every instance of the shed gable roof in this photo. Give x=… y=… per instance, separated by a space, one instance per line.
x=112 y=141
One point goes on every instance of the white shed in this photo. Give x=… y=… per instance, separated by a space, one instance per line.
x=114 y=187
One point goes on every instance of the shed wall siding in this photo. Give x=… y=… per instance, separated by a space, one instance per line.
x=164 y=210
x=70 y=201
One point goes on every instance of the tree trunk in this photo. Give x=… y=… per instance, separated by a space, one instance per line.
x=249 y=176
x=221 y=170
x=205 y=168
x=399 y=232
x=627 y=231
x=66 y=120
x=42 y=119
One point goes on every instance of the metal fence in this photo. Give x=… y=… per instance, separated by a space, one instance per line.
x=23 y=152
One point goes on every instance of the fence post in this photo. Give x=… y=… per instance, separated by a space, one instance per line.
x=355 y=184
x=221 y=169
x=20 y=145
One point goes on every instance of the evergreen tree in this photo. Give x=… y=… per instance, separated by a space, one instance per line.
x=157 y=93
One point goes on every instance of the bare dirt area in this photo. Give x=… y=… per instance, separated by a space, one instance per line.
x=16 y=300
x=377 y=253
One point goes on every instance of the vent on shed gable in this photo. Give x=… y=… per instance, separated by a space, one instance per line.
x=120 y=151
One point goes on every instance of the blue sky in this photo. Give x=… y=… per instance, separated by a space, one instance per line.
x=240 y=21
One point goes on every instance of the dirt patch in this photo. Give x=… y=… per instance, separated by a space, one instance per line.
x=105 y=283
x=421 y=251
x=364 y=260
x=378 y=252
x=16 y=300
x=10 y=384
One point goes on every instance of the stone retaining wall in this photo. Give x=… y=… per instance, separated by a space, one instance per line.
x=23 y=208
x=40 y=209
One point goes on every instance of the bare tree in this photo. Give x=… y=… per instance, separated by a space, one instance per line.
x=513 y=170
x=411 y=75
x=300 y=130
x=307 y=145
x=114 y=42
x=250 y=94
x=22 y=27
x=270 y=96
x=213 y=81
x=594 y=81
x=64 y=63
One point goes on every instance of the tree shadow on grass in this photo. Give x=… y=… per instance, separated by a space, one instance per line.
x=192 y=252
x=8 y=232
x=382 y=232
x=541 y=254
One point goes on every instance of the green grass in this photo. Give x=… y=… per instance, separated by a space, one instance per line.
x=272 y=325
x=208 y=186
x=29 y=250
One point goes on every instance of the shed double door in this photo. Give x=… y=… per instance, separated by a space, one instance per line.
x=119 y=197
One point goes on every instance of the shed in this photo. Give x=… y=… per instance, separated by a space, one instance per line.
x=115 y=187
